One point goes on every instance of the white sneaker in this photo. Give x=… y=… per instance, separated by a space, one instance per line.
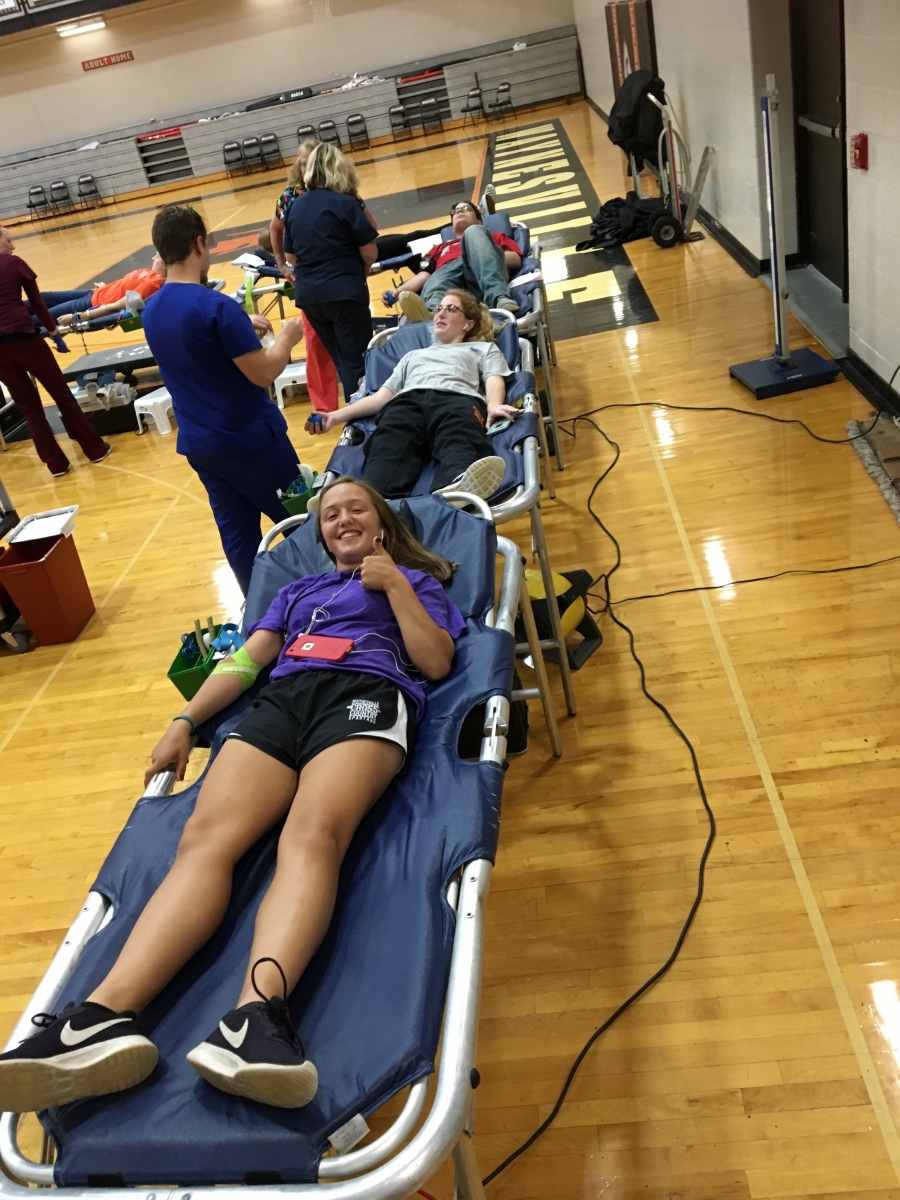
x=481 y=479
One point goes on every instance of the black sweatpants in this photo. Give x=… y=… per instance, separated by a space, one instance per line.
x=344 y=328
x=418 y=426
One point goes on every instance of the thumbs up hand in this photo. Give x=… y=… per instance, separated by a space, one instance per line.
x=378 y=572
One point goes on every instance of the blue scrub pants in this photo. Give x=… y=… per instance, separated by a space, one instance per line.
x=240 y=490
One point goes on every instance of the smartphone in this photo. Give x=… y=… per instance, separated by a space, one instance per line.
x=499 y=426
x=328 y=649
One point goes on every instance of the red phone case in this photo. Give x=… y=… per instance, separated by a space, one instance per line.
x=329 y=649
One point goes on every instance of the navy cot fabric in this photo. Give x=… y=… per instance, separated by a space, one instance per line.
x=369 y=1007
x=380 y=362
x=351 y=460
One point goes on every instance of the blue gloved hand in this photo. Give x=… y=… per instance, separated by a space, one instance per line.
x=59 y=343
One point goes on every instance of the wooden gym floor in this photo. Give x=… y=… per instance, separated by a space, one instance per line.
x=765 y=1064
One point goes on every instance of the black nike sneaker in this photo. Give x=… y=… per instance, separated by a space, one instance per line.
x=255 y=1052
x=88 y=1050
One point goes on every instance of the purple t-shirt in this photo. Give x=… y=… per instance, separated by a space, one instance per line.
x=337 y=605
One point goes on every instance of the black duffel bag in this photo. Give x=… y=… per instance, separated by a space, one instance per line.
x=621 y=221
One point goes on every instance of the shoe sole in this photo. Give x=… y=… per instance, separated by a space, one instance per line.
x=418 y=311
x=267 y=1083
x=32 y=1084
x=481 y=479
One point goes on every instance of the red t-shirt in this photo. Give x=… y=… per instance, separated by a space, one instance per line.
x=15 y=274
x=446 y=252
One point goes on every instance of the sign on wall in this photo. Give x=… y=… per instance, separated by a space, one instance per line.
x=629 y=24
x=108 y=60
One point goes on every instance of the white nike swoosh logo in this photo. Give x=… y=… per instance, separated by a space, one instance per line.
x=74 y=1037
x=233 y=1038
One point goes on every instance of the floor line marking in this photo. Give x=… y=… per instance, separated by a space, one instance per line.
x=228 y=218
x=832 y=967
x=35 y=700
x=161 y=482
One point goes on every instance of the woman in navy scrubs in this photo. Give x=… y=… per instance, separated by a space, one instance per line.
x=331 y=241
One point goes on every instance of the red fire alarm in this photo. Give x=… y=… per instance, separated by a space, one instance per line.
x=859 y=151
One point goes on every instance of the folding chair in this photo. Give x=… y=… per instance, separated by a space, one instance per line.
x=88 y=192
x=37 y=200
x=357 y=131
x=503 y=102
x=473 y=107
x=430 y=114
x=270 y=149
x=399 y=119
x=328 y=132
x=252 y=152
x=233 y=158
x=304 y=133
x=59 y=195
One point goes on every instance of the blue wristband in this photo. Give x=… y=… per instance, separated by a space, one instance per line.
x=190 y=721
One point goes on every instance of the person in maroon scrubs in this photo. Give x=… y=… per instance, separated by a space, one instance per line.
x=23 y=353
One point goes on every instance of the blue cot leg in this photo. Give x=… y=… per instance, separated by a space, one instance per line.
x=485 y=266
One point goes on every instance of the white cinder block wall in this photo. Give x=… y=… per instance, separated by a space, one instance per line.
x=196 y=54
x=873 y=106
x=590 y=17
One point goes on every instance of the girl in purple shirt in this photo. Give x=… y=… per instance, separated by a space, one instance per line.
x=316 y=749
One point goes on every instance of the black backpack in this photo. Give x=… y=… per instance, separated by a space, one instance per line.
x=635 y=122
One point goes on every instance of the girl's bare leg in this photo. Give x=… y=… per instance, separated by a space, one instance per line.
x=245 y=794
x=335 y=791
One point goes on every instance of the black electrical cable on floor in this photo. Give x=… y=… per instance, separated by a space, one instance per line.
x=715 y=587
x=701 y=873
x=608 y=607
x=744 y=412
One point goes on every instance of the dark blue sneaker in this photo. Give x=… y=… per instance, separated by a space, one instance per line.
x=88 y=1050
x=255 y=1052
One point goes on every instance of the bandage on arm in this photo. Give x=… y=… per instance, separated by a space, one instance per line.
x=241 y=664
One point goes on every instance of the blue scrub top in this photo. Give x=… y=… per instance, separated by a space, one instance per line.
x=194 y=333
x=325 y=230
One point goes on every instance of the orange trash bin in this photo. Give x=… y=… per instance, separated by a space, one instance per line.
x=45 y=579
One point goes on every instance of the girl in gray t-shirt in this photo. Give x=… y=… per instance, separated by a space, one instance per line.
x=438 y=403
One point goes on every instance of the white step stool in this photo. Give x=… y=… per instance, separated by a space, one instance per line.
x=155 y=405
x=294 y=373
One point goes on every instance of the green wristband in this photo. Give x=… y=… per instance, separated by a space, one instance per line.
x=190 y=721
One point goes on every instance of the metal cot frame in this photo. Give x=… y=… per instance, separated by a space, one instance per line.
x=525 y=499
x=406 y=1162
x=537 y=324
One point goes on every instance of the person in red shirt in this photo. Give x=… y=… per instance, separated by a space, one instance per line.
x=106 y=298
x=23 y=353
x=480 y=262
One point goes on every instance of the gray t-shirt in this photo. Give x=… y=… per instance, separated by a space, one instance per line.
x=460 y=367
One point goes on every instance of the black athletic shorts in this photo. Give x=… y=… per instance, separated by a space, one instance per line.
x=298 y=716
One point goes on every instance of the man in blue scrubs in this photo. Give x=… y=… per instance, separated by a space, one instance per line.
x=212 y=363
